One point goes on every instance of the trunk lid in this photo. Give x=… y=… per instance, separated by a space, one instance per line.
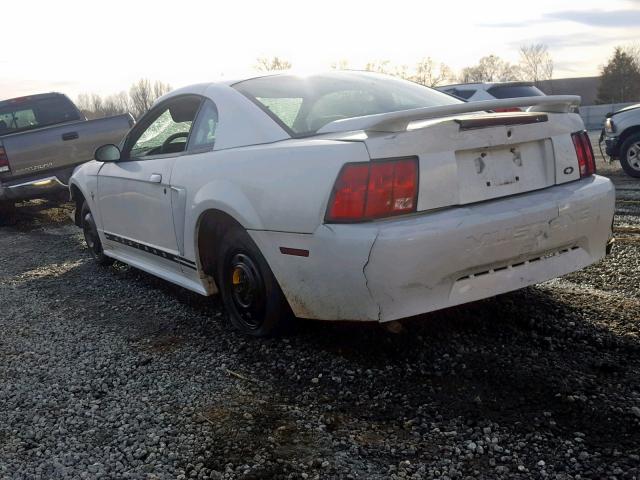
x=472 y=158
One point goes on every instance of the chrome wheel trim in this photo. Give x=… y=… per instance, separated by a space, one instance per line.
x=633 y=156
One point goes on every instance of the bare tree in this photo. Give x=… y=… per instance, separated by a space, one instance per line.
x=265 y=64
x=379 y=66
x=115 y=104
x=160 y=88
x=633 y=50
x=386 y=67
x=431 y=74
x=96 y=103
x=401 y=71
x=490 y=69
x=83 y=102
x=340 y=65
x=535 y=63
x=142 y=97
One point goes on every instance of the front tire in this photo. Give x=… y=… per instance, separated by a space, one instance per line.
x=92 y=238
x=630 y=156
x=251 y=295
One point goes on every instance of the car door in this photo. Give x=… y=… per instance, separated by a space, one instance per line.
x=134 y=193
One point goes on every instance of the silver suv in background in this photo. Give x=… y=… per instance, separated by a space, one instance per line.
x=473 y=92
x=621 y=134
x=42 y=139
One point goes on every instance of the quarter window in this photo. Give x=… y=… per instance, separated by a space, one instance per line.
x=204 y=131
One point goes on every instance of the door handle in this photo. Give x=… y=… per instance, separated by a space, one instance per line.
x=70 y=136
x=155 y=178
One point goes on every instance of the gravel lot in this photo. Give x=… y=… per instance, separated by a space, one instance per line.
x=112 y=373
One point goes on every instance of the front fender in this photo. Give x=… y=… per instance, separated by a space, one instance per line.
x=85 y=179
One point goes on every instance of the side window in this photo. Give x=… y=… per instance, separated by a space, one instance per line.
x=204 y=131
x=165 y=129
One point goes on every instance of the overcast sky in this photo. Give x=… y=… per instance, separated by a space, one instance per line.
x=77 y=46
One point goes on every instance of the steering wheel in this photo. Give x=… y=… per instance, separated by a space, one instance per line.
x=171 y=138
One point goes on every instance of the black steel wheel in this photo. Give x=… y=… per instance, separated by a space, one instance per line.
x=92 y=238
x=251 y=295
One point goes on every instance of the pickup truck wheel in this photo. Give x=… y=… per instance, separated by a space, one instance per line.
x=251 y=295
x=92 y=238
x=7 y=212
x=630 y=156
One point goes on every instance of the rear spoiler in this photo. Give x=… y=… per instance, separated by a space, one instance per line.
x=399 y=121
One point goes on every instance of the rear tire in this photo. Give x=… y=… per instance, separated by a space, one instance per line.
x=630 y=156
x=7 y=212
x=92 y=238
x=251 y=295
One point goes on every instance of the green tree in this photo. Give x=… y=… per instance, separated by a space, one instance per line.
x=620 y=79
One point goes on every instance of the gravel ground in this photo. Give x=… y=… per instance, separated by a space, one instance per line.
x=112 y=373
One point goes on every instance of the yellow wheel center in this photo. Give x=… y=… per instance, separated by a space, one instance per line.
x=237 y=276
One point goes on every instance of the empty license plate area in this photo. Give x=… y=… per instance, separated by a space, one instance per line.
x=506 y=170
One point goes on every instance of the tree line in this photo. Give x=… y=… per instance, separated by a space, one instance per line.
x=619 y=82
x=535 y=65
x=136 y=101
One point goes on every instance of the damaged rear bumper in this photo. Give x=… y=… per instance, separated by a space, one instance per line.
x=383 y=271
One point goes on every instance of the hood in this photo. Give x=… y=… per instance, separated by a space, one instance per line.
x=626 y=109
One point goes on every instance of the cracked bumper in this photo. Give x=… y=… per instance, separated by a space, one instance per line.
x=383 y=271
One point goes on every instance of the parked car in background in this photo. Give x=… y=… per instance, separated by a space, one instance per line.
x=42 y=139
x=473 y=92
x=621 y=134
x=346 y=196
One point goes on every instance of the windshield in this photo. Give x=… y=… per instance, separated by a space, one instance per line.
x=304 y=104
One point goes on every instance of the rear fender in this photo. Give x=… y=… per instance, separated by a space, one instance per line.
x=223 y=196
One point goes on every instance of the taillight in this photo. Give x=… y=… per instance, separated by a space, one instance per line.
x=4 y=161
x=365 y=191
x=584 y=152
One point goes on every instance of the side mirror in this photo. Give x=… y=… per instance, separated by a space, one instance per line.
x=107 y=153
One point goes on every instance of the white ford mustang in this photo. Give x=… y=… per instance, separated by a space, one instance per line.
x=346 y=196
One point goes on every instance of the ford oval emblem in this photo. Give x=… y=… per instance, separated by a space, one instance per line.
x=568 y=170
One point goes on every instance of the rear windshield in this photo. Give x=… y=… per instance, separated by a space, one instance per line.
x=515 y=91
x=304 y=104
x=25 y=114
